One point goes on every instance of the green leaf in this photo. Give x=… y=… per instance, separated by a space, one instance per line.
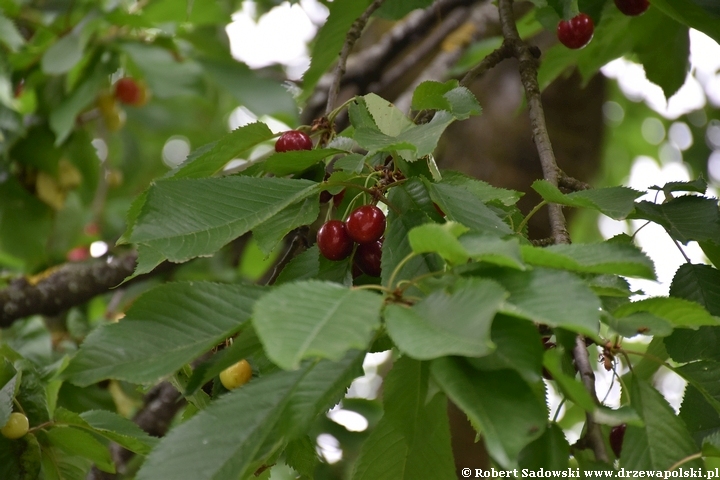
x=462 y=206
x=615 y=202
x=663 y=440
x=210 y=159
x=56 y=465
x=303 y=267
x=20 y=458
x=685 y=218
x=440 y=239
x=549 y=452
x=315 y=319
x=233 y=435
x=679 y=312
x=63 y=55
x=447 y=323
x=482 y=190
x=499 y=404
x=699 y=416
x=615 y=258
x=639 y=323
x=705 y=376
x=9 y=34
x=7 y=392
x=421 y=140
x=491 y=249
x=386 y=116
x=711 y=445
x=698 y=283
x=271 y=232
x=552 y=297
x=459 y=101
x=301 y=456
x=687 y=345
x=699 y=185
x=711 y=251
x=689 y=13
x=77 y=442
x=164 y=329
x=329 y=41
x=285 y=163
x=518 y=347
x=182 y=219
x=412 y=439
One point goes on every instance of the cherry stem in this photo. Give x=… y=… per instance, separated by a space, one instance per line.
x=532 y=212
x=371 y=192
x=41 y=426
x=402 y=263
x=373 y=287
x=685 y=460
x=557 y=410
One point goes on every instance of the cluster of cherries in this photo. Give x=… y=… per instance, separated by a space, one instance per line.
x=365 y=226
x=578 y=31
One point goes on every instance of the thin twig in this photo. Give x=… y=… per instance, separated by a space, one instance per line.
x=298 y=244
x=350 y=39
x=528 y=76
x=487 y=63
x=587 y=375
x=571 y=183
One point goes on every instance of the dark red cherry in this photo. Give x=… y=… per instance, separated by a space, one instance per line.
x=576 y=32
x=632 y=8
x=366 y=224
x=617 y=434
x=293 y=140
x=333 y=240
x=325 y=197
x=367 y=257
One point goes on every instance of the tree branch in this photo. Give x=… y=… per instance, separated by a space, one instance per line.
x=350 y=39
x=528 y=75
x=69 y=285
x=528 y=63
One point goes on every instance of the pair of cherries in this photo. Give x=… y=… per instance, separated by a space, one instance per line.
x=364 y=226
x=578 y=31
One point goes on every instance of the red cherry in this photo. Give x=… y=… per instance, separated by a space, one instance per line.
x=325 y=197
x=293 y=140
x=632 y=8
x=366 y=224
x=576 y=32
x=616 y=438
x=367 y=257
x=78 y=254
x=130 y=92
x=333 y=240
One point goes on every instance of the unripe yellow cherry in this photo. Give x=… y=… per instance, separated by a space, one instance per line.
x=16 y=426
x=236 y=375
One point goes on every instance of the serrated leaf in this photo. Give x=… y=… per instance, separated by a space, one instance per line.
x=698 y=185
x=329 y=41
x=698 y=415
x=552 y=297
x=271 y=232
x=549 y=452
x=386 y=116
x=499 y=404
x=712 y=251
x=684 y=218
x=285 y=163
x=315 y=319
x=699 y=283
x=9 y=34
x=300 y=455
x=7 y=393
x=711 y=445
x=231 y=437
x=164 y=329
x=643 y=323
x=705 y=376
x=689 y=13
x=615 y=202
x=482 y=190
x=210 y=159
x=412 y=439
x=440 y=239
x=20 y=458
x=491 y=249
x=421 y=140
x=302 y=267
x=76 y=442
x=614 y=258
x=518 y=347
x=462 y=206
x=679 y=312
x=663 y=440
x=447 y=323
x=457 y=100
x=186 y=218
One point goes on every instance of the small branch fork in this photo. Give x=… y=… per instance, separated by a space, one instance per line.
x=350 y=39
x=528 y=59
